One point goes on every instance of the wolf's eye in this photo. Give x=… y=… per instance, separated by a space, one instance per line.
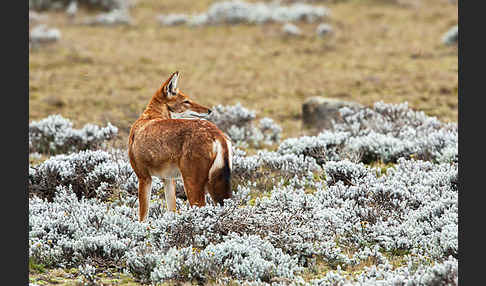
x=186 y=101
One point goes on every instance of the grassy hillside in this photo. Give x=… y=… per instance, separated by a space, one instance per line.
x=380 y=50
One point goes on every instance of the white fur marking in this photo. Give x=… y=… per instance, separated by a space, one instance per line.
x=219 y=160
x=188 y=114
x=173 y=84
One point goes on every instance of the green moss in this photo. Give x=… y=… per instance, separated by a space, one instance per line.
x=35 y=267
x=255 y=194
x=381 y=167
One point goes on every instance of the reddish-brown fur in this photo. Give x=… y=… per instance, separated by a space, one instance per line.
x=158 y=145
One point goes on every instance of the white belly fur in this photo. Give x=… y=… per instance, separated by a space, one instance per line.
x=170 y=170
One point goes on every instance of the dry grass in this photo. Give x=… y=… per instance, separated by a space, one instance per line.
x=70 y=277
x=380 y=51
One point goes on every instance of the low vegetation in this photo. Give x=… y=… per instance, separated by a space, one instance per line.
x=296 y=217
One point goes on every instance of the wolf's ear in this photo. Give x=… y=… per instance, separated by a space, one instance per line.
x=171 y=85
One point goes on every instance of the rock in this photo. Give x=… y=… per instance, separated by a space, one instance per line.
x=323 y=30
x=319 y=112
x=451 y=37
x=291 y=30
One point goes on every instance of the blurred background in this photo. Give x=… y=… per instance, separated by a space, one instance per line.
x=99 y=61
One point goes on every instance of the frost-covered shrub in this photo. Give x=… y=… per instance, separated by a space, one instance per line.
x=36 y=17
x=89 y=173
x=452 y=36
x=239 y=12
x=244 y=166
x=323 y=30
x=440 y=273
x=340 y=210
x=55 y=135
x=97 y=4
x=103 y=174
x=72 y=9
x=237 y=122
x=42 y=34
x=234 y=12
x=384 y=133
x=371 y=205
x=346 y=172
x=172 y=19
x=411 y=208
x=205 y=229
x=401 y=206
x=240 y=257
x=226 y=116
x=142 y=260
x=391 y=131
x=288 y=164
x=291 y=30
x=87 y=272
x=69 y=232
x=271 y=131
x=326 y=146
x=308 y=210
x=112 y=18
x=197 y=20
x=266 y=164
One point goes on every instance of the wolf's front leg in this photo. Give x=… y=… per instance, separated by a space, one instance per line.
x=170 y=194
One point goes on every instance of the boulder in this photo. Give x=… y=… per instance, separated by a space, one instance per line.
x=318 y=112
